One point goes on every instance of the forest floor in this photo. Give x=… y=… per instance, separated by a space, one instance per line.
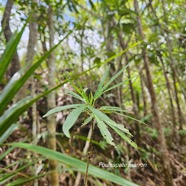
x=142 y=166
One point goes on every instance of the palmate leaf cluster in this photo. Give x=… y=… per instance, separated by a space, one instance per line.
x=103 y=121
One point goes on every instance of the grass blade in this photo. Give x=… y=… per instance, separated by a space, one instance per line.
x=73 y=162
x=18 y=80
x=7 y=133
x=9 y=52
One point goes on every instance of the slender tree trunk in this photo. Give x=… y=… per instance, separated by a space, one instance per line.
x=135 y=109
x=143 y=92
x=32 y=42
x=162 y=142
x=81 y=45
x=169 y=92
x=51 y=100
x=174 y=74
x=15 y=64
x=164 y=72
x=108 y=25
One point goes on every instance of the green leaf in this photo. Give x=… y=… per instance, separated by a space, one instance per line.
x=58 y=109
x=23 y=181
x=107 y=60
x=114 y=77
x=88 y=120
x=7 y=133
x=18 y=80
x=126 y=138
x=73 y=94
x=107 y=120
x=104 y=78
x=6 y=152
x=14 y=173
x=71 y=119
x=104 y=131
x=78 y=164
x=132 y=118
x=9 y=52
x=114 y=86
x=92 y=5
x=11 y=115
x=111 y=108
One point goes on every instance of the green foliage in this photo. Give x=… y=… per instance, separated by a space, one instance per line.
x=9 y=116
x=9 y=52
x=7 y=177
x=71 y=119
x=76 y=164
x=102 y=120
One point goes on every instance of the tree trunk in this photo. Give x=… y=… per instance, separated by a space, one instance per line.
x=164 y=72
x=32 y=42
x=174 y=74
x=170 y=96
x=51 y=101
x=134 y=107
x=15 y=64
x=143 y=92
x=162 y=142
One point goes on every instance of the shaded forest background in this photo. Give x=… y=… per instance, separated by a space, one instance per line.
x=47 y=45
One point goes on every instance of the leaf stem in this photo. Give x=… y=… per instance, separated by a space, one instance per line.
x=89 y=153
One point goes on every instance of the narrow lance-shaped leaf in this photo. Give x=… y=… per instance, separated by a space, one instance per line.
x=132 y=118
x=119 y=84
x=99 y=90
x=23 y=181
x=8 y=132
x=80 y=165
x=111 y=108
x=126 y=138
x=108 y=121
x=6 y=152
x=12 y=114
x=9 y=52
x=73 y=94
x=71 y=119
x=104 y=131
x=58 y=109
x=114 y=86
x=88 y=120
x=113 y=78
x=14 y=174
x=19 y=79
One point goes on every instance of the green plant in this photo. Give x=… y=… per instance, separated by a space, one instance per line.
x=95 y=115
x=10 y=115
x=73 y=163
x=88 y=100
